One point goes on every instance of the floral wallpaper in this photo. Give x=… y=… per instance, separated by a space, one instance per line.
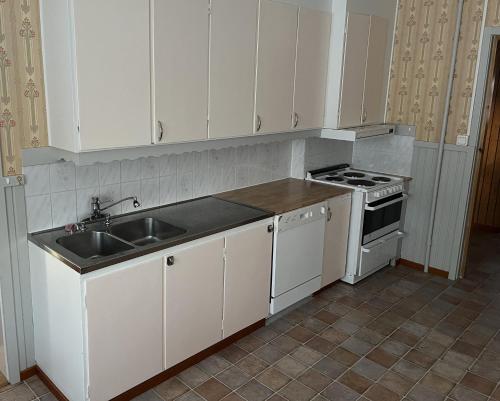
x=22 y=101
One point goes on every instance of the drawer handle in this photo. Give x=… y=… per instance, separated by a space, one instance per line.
x=160 y=125
x=270 y=228
x=295 y=120
x=170 y=261
x=259 y=123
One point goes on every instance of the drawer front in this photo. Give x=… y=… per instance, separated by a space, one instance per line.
x=378 y=255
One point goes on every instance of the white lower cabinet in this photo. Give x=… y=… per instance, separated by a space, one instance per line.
x=124 y=328
x=247 y=278
x=100 y=334
x=193 y=291
x=336 y=238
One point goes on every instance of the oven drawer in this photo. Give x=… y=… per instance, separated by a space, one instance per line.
x=379 y=253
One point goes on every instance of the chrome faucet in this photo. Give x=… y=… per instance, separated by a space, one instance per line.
x=97 y=210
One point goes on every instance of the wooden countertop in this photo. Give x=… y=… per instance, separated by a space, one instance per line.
x=284 y=195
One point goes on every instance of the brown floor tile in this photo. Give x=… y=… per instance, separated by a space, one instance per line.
x=466 y=349
x=233 y=397
x=327 y=317
x=250 y=343
x=213 y=364
x=440 y=338
x=405 y=337
x=290 y=366
x=321 y=345
x=330 y=367
x=420 y=358
x=437 y=383
x=339 y=392
x=394 y=347
x=449 y=371
x=496 y=394
x=307 y=355
x=380 y=393
x=369 y=336
x=409 y=370
x=358 y=317
x=280 y=326
x=344 y=356
x=313 y=324
x=457 y=359
x=301 y=334
x=357 y=346
x=352 y=302
x=273 y=379
x=212 y=390
x=233 y=353
x=233 y=377
x=193 y=376
x=423 y=393
x=254 y=391
x=18 y=392
x=383 y=358
x=314 y=380
x=265 y=333
x=252 y=365
x=345 y=326
x=269 y=353
x=355 y=381
x=334 y=336
x=296 y=391
x=477 y=383
x=285 y=343
x=431 y=348
x=369 y=369
x=396 y=383
x=461 y=393
x=171 y=388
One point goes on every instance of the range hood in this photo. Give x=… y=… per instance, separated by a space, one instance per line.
x=358 y=133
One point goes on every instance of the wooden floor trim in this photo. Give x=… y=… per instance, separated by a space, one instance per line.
x=417 y=266
x=155 y=380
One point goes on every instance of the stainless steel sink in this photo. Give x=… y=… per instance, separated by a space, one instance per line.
x=146 y=231
x=93 y=244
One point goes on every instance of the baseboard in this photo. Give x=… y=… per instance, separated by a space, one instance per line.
x=417 y=266
x=155 y=380
x=35 y=370
x=486 y=228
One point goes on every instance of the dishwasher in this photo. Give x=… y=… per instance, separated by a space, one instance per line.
x=297 y=255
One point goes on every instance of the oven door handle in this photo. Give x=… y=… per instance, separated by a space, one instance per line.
x=398 y=235
x=373 y=208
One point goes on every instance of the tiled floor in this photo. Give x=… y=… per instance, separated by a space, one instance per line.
x=400 y=334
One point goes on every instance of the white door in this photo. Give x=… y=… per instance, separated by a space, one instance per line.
x=113 y=68
x=233 y=46
x=374 y=96
x=313 y=43
x=275 y=66
x=353 y=78
x=193 y=300
x=336 y=239
x=247 y=278
x=124 y=328
x=180 y=70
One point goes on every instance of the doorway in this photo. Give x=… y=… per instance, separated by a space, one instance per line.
x=482 y=243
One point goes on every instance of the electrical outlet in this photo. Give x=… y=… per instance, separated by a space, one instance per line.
x=462 y=140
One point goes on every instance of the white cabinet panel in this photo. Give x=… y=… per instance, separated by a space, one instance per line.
x=247 y=278
x=180 y=35
x=374 y=102
x=193 y=300
x=125 y=331
x=313 y=42
x=275 y=66
x=233 y=46
x=336 y=238
x=355 y=56
x=112 y=71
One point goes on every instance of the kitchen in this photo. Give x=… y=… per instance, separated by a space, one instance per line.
x=234 y=214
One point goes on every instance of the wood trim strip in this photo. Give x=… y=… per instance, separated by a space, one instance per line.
x=417 y=266
x=155 y=380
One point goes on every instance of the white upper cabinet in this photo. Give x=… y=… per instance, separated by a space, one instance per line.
x=96 y=56
x=311 y=67
x=353 y=80
x=233 y=44
x=180 y=38
x=374 y=100
x=275 y=66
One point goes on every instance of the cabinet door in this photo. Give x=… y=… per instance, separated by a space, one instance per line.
x=353 y=78
x=124 y=328
x=275 y=66
x=247 y=278
x=376 y=74
x=193 y=300
x=180 y=70
x=233 y=46
x=313 y=43
x=113 y=68
x=336 y=238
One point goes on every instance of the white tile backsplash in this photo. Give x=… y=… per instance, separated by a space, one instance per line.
x=154 y=180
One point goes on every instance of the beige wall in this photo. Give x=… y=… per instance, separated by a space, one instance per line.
x=22 y=100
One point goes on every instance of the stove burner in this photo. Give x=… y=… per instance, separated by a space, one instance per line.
x=334 y=178
x=381 y=179
x=353 y=174
x=361 y=183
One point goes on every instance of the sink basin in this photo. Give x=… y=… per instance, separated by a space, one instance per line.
x=93 y=244
x=146 y=231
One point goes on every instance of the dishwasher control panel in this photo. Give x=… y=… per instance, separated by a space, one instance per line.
x=301 y=216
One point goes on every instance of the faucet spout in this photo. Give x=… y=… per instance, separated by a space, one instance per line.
x=97 y=210
x=132 y=198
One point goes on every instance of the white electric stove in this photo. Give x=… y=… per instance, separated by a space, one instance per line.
x=375 y=227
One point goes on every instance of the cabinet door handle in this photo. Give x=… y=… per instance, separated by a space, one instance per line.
x=365 y=115
x=259 y=123
x=270 y=228
x=329 y=214
x=160 y=136
x=295 y=120
x=170 y=261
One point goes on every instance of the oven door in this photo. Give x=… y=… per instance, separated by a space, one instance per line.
x=382 y=217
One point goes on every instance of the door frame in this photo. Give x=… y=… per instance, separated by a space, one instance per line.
x=489 y=38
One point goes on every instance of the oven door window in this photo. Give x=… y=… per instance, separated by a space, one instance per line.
x=382 y=221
